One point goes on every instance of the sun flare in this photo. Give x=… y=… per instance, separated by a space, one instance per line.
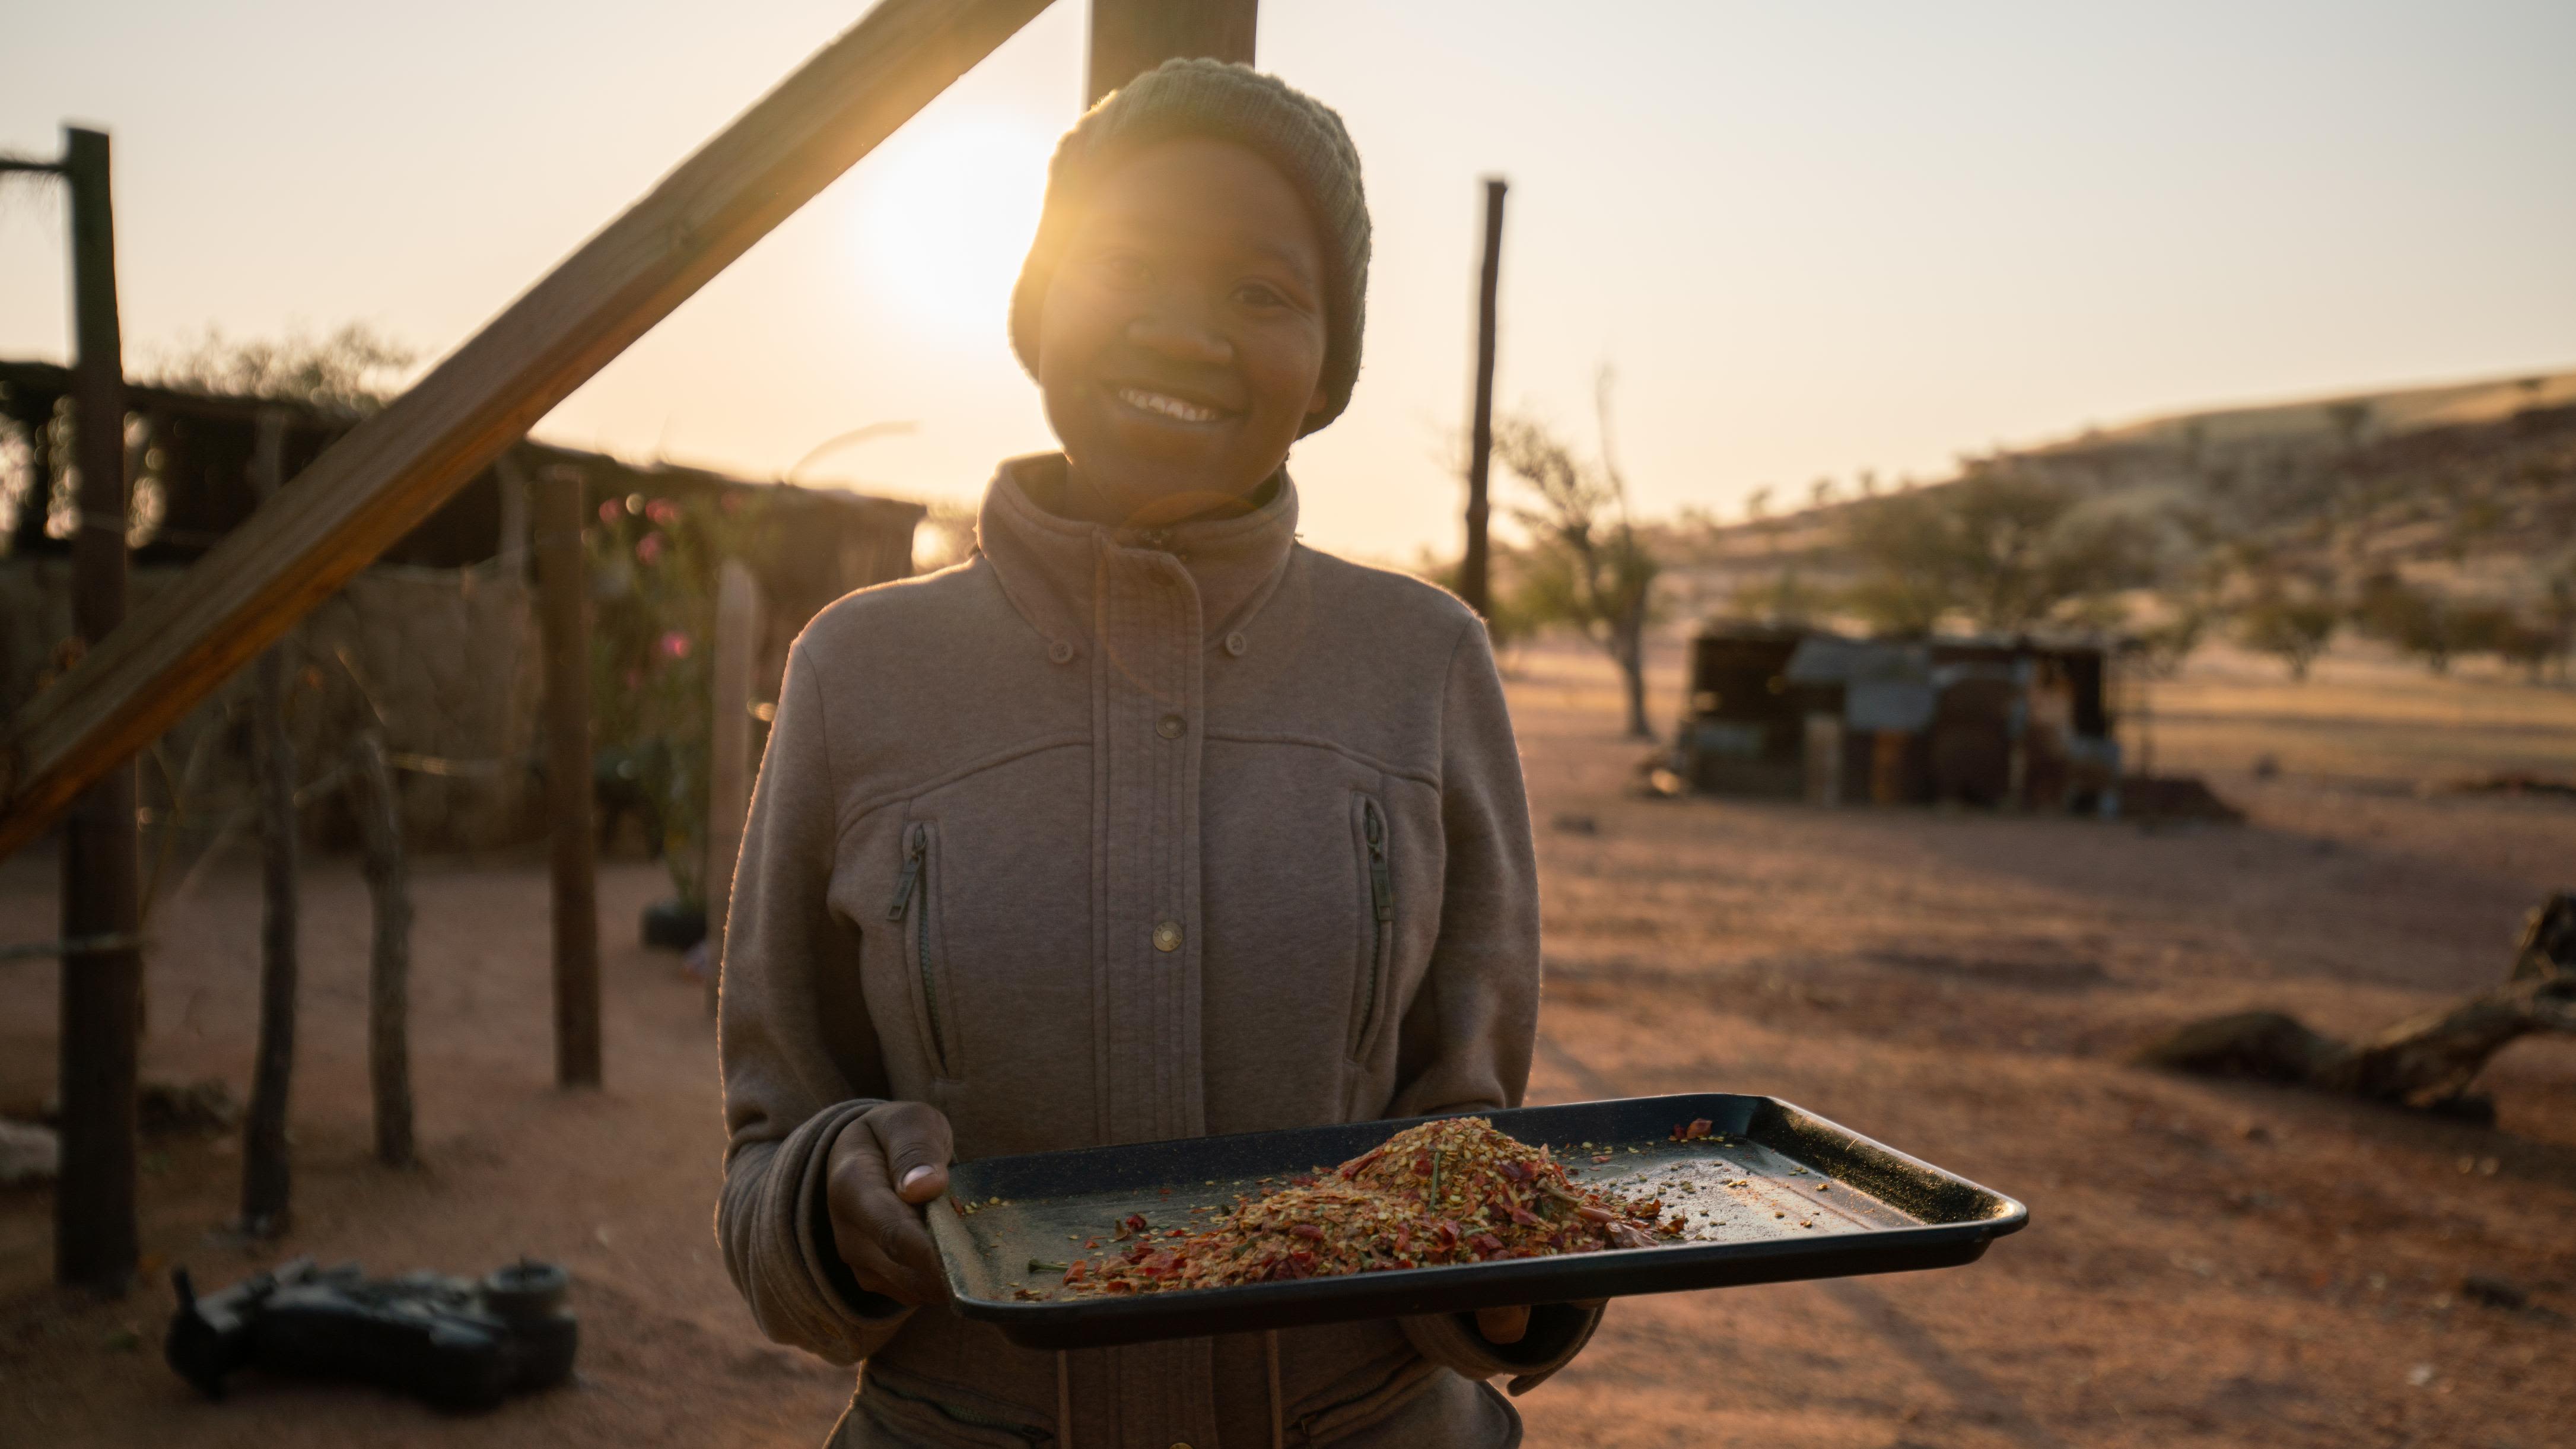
x=945 y=213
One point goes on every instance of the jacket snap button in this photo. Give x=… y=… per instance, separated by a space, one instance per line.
x=1235 y=643
x=1169 y=727
x=1061 y=651
x=1167 y=936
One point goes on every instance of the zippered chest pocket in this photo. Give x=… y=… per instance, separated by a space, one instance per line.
x=1377 y=918
x=914 y=908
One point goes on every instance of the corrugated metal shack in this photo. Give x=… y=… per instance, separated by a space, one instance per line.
x=437 y=643
x=1796 y=713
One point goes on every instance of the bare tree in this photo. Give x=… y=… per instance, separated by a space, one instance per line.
x=1586 y=564
x=352 y=369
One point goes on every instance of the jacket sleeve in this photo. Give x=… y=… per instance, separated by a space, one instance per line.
x=798 y=1067
x=1469 y=1035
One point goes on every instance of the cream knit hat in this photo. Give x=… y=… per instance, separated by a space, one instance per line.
x=1286 y=127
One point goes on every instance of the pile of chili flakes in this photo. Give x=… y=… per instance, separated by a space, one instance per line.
x=1452 y=1191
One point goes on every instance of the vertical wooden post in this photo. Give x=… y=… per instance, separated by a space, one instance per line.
x=1131 y=37
x=267 y=1177
x=511 y=548
x=1887 y=766
x=389 y=958
x=1475 y=581
x=563 y=587
x=1823 y=758
x=729 y=772
x=95 y=1242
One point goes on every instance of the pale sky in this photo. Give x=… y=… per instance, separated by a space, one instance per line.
x=1811 y=239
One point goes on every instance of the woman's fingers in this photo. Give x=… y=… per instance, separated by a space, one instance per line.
x=876 y=1226
x=1502 y=1325
x=915 y=1139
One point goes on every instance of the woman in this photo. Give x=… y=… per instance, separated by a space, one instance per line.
x=1147 y=822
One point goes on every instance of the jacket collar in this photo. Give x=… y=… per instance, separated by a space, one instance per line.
x=1052 y=566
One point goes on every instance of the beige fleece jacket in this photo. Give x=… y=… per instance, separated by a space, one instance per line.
x=1074 y=842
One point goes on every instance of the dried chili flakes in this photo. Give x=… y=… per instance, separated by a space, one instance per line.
x=1453 y=1191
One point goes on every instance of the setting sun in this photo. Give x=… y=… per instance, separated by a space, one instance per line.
x=943 y=215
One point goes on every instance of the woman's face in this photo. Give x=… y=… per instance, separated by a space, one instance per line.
x=1182 y=341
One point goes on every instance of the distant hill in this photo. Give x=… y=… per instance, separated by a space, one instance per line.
x=2341 y=418
x=2466 y=490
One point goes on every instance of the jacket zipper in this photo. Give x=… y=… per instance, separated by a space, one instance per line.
x=916 y=867
x=1382 y=898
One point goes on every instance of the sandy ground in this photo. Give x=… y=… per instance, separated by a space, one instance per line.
x=2209 y=1263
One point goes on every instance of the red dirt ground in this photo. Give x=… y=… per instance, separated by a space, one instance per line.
x=2209 y=1263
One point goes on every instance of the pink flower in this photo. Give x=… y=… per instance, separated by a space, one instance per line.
x=674 y=645
x=609 y=511
x=662 y=511
x=648 y=549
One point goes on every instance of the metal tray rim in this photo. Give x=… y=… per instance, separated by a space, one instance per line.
x=1128 y=1318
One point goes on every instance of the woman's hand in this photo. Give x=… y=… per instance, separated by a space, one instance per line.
x=1503 y=1327
x=885 y=1164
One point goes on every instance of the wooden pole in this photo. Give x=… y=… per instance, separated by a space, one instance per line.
x=729 y=773
x=392 y=470
x=563 y=588
x=267 y=1177
x=1131 y=37
x=95 y=1242
x=1475 y=569
x=389 y=958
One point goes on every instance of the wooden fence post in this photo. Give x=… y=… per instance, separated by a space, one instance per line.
x=1475 y=569
x=267 y=1178
x=95 y=1240
x=730 y=771
x=563 y=587
x=379 y=812
x=1131 y=37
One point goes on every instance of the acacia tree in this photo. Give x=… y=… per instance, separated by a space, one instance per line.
x=2294 y=627
x=1586 y=565
x=2004 y=549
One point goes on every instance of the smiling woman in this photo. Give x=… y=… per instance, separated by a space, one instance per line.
x=1137 y=824
x=943 y=213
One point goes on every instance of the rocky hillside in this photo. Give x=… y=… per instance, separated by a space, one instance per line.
x=2466 y=493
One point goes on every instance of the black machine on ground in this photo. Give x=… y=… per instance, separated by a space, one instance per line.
x=455 y=1342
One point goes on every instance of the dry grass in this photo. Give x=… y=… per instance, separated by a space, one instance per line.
x=2360 y=716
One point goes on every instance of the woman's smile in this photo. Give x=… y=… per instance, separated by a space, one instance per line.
x=1164 y=407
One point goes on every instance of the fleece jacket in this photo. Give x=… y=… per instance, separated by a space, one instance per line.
x=1111 y=836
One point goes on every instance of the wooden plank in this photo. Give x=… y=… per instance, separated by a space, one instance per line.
x=95 y=1241
x=563 y=611
x=1131 y=37
x=730 y=766
x=392 y=470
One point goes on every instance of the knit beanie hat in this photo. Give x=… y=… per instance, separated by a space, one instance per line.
x=1289 y=129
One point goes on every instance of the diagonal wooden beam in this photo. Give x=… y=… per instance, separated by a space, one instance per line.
x=391 y=471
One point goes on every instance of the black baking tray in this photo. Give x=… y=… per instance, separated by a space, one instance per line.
x=1880 y=1211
